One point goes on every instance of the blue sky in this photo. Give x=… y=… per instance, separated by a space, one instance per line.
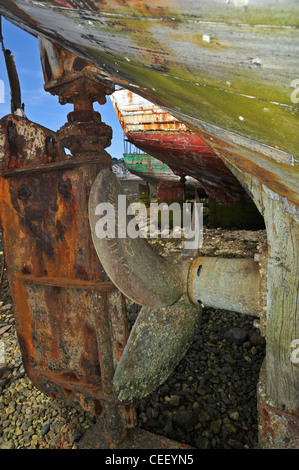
x=40 y=106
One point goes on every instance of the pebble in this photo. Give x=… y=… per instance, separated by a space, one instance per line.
x=4 y=329
x=256 y=339
x=174 y=400
x=184 y=419
x=7 y=445
x=45 y=429
x=235 y=444
x=237 y=335
x=215 y=426
x=235 y=416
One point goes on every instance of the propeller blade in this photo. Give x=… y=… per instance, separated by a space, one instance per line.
x=158 y=341
x=134 y=267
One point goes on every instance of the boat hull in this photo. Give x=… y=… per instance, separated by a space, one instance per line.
x=229 y=64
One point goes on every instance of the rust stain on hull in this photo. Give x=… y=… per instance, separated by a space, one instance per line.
x=280 y=178
x=187 y=154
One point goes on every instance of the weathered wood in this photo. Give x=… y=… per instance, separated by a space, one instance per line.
x=282 y=316
x=282 y=383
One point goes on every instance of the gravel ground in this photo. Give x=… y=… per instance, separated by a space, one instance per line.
x=209 y=401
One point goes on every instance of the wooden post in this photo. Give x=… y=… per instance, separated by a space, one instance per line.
x=278 y=389
x=282 y=384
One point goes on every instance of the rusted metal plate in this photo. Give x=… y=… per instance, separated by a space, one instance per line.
x=70 y=319
x=28 y=146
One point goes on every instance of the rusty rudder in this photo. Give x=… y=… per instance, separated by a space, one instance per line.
x=63 y=299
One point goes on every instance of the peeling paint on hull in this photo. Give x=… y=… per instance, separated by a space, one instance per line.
x=159 y=134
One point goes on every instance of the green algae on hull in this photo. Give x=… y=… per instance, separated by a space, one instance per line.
x=222 y=86
x=269 y=123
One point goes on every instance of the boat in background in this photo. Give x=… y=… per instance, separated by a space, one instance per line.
x=146 y=166
x=172 y=150
x=154 y=171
